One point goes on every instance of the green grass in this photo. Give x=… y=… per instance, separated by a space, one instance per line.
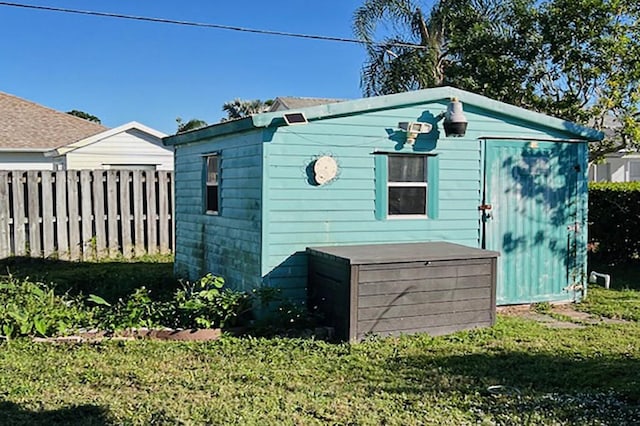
x=585 y=376
x=622 y=300
x=548 y=376
x=111 y=279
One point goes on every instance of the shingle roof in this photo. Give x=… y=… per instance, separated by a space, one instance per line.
x=27 y=125
x=283 y=103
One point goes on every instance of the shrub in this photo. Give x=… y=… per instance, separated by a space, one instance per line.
x=614 y=221
x=33 y=309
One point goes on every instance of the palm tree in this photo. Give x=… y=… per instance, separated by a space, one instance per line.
x=411 y=57
x=192 y=124
x=239 y=108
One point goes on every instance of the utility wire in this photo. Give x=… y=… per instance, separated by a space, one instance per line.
x=206 y=25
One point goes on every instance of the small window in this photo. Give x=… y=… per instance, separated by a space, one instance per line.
x=407 y=185
x=634 y=171
x=212 y=196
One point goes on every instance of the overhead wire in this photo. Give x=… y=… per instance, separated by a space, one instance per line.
x=208 y=25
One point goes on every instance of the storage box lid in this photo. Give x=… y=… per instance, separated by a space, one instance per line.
x=407 y=252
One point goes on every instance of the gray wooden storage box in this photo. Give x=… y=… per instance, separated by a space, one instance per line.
x=392 y=289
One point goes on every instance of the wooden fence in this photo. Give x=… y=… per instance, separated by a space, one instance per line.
x=86 y=214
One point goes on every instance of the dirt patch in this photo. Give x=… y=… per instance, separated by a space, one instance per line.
x=561 y=315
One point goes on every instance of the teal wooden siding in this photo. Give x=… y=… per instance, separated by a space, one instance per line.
x=297 y=214
x=227 y=244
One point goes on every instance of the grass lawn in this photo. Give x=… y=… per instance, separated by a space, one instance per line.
x=518 y=372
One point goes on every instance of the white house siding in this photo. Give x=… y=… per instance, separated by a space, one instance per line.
x=25 y=161
x=616 y=169
x=227 y=244
x=132 y=147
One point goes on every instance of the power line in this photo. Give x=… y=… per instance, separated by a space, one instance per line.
x=207 y=25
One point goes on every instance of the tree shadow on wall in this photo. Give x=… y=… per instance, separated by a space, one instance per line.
x=85 y=415
x=547 y=187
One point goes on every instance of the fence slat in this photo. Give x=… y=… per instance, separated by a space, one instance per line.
x=48 y=247
x=62 y=215
x=5 y=238
x=163 y=204
x=74 y=215
x=112 y=213
x=125 y=213
x=98 y=209
x=86 y=216
x=152 y=214
x=33 y=213
x=19 y=232
x=138 y=212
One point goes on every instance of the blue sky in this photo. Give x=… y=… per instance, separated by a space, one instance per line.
x=121 y=70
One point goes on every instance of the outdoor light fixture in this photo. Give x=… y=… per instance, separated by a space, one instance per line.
x=455 y=123
x=413 y=129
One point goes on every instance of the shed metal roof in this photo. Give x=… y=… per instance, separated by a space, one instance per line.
x=324 y=111
x=27 y=126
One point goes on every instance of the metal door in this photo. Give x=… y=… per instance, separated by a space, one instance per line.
x=532 y=216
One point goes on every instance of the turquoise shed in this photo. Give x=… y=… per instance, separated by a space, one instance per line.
x=253 y=194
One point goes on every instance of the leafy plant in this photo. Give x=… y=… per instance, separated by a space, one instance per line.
x=33 y=309
x=204 y=304
x=137 y=310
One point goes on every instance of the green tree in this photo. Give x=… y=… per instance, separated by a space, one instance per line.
x=239 y=108
x=85 y=115
x=573 y=59
x=192 y=124
x=411 y=53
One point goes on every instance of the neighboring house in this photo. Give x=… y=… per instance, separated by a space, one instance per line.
x=34 y=137
x=622 y=166
x=283 y=103
x=28 y=130
x=130 y=146
x=253 y=194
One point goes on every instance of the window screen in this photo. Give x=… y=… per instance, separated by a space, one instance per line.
x=212 y=185
x=407 y=185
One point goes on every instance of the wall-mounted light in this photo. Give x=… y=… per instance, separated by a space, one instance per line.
x=455 y=123
x=413 y=129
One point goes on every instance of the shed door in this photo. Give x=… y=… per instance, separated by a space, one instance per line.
x=532 y=187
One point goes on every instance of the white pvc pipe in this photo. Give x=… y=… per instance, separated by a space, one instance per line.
x=593 y=278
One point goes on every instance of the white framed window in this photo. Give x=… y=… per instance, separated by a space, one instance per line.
x=212 y=184
x=407 y=185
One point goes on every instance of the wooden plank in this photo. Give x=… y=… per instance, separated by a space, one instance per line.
x=423 y=284
x=98 y=214
x=125 y=213
x=112 y=213
x=48 y=233
x=152 y=213
x=75 y=252
x=86 y=216
x=62 y=215
x=422 y=272
x=138 y=213
x=422 y=309
x=5 y=219
x=432 y=330
x=163 y=211
x=425 y=322
x=424 y=297
x=33 y=213
x=383 y=264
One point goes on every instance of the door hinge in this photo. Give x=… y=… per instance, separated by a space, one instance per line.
x=485 y=207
